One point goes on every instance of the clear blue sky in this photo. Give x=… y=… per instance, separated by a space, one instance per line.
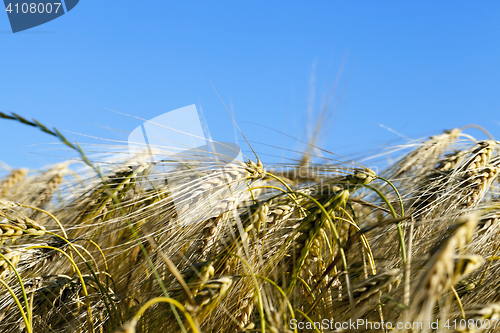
x=416 y=67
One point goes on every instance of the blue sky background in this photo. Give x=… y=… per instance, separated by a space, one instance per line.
x=415 y=67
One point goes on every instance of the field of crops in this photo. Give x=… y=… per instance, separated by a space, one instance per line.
x=129 y=245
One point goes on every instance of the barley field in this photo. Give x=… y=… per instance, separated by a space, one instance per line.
x=317 y=245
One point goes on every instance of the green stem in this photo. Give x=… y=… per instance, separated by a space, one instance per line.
x=257 y=291
x=90 y=322
x=22 y=286
x=172 y=302
x=101 y=289
x=26 y=321
x=393 y=212
x=289 y=305
x=397 y=194
x=341 y=249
